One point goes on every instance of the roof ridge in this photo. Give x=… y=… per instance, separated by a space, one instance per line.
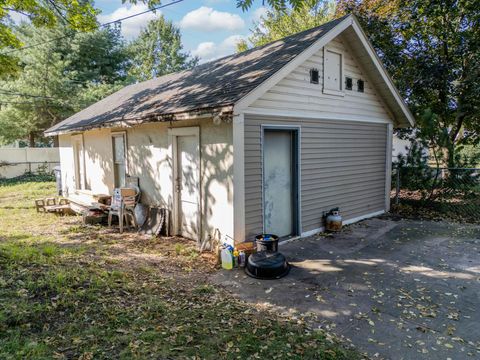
x=272 y=42
x=246 y=52
x=220 y=81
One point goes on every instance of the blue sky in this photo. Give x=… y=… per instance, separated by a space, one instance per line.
x=210 y=28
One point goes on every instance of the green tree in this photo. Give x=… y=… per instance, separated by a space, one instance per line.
x=79 y=15
x=432 y=49
x=277 y=5
x=99 y=56
x=58 y=79
x=277 y=24
x=158 y=51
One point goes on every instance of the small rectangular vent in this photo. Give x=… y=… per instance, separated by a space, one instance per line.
x=314 y=76
x=348 y=83
x=360 y=85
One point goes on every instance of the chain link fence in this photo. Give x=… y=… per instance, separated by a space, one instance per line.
x=437 y=193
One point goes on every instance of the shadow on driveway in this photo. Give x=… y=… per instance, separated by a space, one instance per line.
x=396 y=290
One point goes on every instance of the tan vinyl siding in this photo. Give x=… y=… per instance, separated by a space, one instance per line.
x=295 y=93
x=342 y=164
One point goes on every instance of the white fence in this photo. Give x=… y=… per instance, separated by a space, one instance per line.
x=18 y=161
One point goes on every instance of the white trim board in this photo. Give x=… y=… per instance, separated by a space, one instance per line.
x=173 y=133
x=383 y=72
x=388 y=166
x=298 y=129
x=80 y=172
x=309 y=115
x=346 y=222
x=125 y=155
x=239 y=177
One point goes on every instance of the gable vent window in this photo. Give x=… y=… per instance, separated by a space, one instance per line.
x=348 y=83
x=333 y=72
x=360 y=86
x=314 y=76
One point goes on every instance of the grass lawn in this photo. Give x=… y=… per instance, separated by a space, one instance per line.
x=69 y=291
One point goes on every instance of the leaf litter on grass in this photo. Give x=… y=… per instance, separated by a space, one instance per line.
x=74 y=291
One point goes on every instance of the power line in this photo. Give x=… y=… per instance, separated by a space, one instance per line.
x=64 y=102
x=30 y=103
x=33 y=98
x=12 y=93
x=141 y=13
x=3 y=102
x=5 y=92
x=101 y=25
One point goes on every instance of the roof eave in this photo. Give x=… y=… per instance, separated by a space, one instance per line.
x=263 y=87
x=219 y=112
x=408 y=118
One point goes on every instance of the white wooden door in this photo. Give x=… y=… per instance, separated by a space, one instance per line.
x=187 y=186
x=278 y=182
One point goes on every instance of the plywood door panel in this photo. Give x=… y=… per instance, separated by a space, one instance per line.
x=187 y=183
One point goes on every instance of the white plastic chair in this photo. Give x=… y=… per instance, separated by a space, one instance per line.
x=124 y=208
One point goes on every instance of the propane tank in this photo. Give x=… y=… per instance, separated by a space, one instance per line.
x=333 y=221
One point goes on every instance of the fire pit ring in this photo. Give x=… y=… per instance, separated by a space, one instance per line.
x=267 y=265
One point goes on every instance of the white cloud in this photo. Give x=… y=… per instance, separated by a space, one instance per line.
x=232 y=41
x=130 y=27
x=259 y=13
x=214 y=2
x=207 y=19
x=207 y=51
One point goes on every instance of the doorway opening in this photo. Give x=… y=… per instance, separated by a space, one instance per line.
x=281 y=212
x=186 y=182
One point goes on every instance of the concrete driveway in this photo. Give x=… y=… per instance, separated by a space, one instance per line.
x=395 y=289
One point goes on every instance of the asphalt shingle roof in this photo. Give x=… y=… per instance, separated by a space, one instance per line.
x=214 y=84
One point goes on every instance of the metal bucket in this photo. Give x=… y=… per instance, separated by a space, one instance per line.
x=267 y=242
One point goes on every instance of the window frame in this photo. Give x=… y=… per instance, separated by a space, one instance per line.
x=312 y=70
x=347 y=78
x=80 y=174
x=113 y=135
x=325 y=90
x=362 y=89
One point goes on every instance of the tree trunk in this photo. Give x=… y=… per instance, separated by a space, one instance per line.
x=31 y=139
x=451 y=156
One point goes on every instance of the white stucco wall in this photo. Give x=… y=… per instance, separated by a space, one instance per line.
x=98 y=164
x=399 y=146
x=149 y=157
